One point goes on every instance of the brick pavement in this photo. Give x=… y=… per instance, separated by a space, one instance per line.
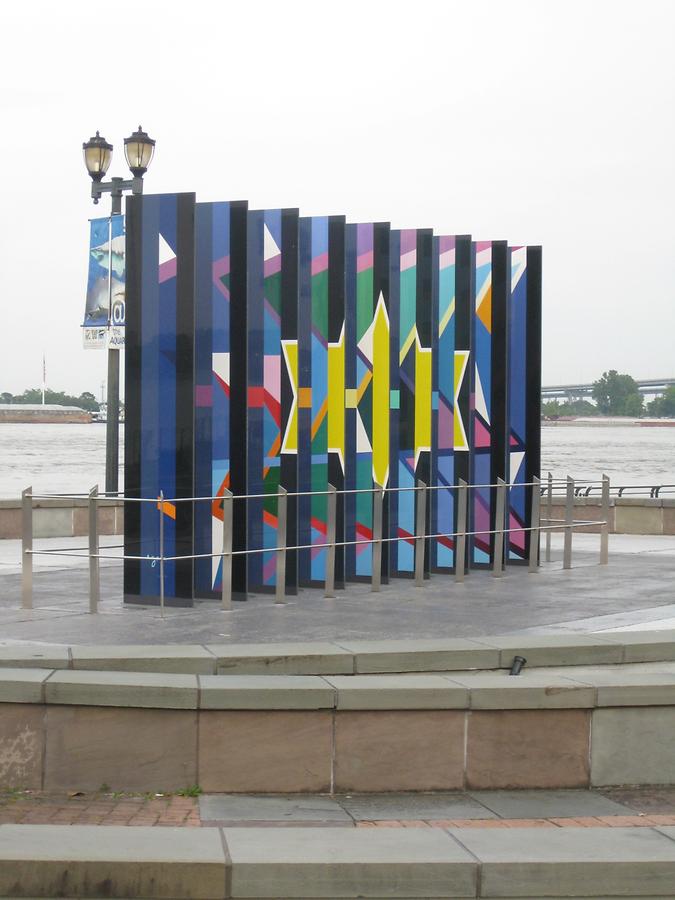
x=101 y=808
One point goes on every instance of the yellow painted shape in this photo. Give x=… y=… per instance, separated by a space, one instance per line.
x=290 y=441
x=409 y=341
x=447 y=315
x=336 y=397
x=461 y=362
x=422 y=398
x=351 y=398
x=381 y=398
x=484 y=311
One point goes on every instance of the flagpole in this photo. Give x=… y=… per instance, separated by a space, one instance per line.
x=44 y=378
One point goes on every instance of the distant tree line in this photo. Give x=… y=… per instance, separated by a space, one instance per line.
x=59 y=398
x=615 y=394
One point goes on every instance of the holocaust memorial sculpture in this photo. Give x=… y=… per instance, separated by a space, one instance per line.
x=267 y=350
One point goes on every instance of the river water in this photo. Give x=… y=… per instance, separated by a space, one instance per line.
x=71 y=458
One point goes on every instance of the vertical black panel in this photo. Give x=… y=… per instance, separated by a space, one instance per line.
x=499 y=373
x=238 y=391
x=499 y=367
x=463 y=313
x=533 y=376
x=423 y=317
x=336 y=323
x=289 y=332
x=132 y=394
x=185 y=390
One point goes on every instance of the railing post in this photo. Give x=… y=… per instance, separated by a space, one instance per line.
x=500 y=510
x=460 y=537
x=549 y=515
x=161 y=553
x=420 y=531
x=94 y=574
x=331 y=524
x=226 y=582
x=604 y=529
x=534 y=525
x=569 y=518
x=282 y=519
x=376 y=578
x=26 y=547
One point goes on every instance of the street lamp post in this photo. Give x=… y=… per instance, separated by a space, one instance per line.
x=138 y=150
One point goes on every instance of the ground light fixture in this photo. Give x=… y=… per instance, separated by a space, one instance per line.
x=139 y=148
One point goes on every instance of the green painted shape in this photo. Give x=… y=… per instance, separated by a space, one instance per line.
x=394 y=399
x=272 y=291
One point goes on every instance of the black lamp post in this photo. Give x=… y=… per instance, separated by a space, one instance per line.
x=138 y=150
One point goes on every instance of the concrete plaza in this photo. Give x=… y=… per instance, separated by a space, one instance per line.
x=636 y=589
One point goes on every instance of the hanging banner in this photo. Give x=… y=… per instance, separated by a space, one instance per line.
x=104 y=313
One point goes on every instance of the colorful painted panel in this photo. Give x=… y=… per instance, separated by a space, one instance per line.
x=517 y=401
x=442 y=460
x=161 y=437
x=481 y=513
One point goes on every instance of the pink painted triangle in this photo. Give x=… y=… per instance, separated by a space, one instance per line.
x=481 y=435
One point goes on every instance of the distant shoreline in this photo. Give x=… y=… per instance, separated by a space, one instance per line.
x=608 y=422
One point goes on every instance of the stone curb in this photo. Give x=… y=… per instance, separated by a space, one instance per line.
x=352 y=657
x=536 y=690
x=216 y=864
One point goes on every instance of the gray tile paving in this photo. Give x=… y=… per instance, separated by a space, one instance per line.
x=379 y=807
x=548 y=804
x=634 y=586
x=241 y=809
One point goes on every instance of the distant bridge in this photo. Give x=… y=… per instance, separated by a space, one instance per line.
x=650 y=386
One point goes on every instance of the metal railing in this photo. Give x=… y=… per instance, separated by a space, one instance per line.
x=586 y=488
x=539 y=494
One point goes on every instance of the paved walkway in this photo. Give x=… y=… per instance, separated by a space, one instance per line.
x=634 y=589
x=648 y=807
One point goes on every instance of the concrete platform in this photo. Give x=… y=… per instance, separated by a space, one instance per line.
x=634 y=589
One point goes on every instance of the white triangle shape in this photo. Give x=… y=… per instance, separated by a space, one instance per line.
x=515 y=462
x=216 y=547
x=362 y=442
x=270 y=248
x=166 y=254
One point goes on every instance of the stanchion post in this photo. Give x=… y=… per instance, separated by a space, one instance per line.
x=161 y=553
x=376 y=579
x=282 y=519
x=26 y=548
x=604 y=529
x=94 y=574
x=569 y=518
x=500 y=510
x=226 y=581
x=460 y=537
x=420 y=531
x=331 y=525
x=534 y=525
x=549 y=514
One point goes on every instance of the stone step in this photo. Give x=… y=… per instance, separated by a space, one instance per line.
x=215 y=864
x=352 y=657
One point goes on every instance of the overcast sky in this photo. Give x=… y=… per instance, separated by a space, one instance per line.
x=539 y=122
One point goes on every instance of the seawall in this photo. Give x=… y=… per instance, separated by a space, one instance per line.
x=69 y=518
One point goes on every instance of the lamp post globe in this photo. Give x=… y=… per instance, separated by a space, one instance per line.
x=97 y=156
x=139 y=149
